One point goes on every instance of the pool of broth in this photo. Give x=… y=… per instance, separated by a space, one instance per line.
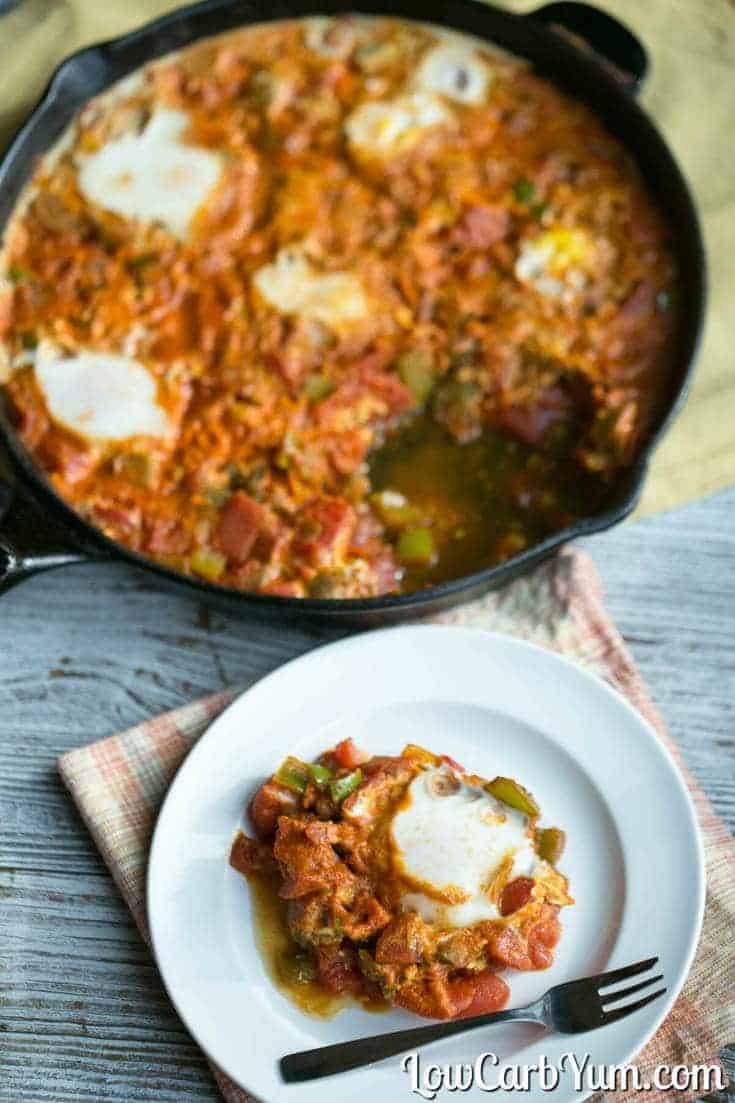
x=277 y=946
x=485 y=500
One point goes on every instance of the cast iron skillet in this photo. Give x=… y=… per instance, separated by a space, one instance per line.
x=38 y=531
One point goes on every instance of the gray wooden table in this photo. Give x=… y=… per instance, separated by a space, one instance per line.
x=87 y=651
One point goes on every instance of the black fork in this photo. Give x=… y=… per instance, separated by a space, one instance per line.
x=567 y=1008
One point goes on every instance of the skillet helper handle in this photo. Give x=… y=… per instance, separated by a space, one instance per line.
x=29 y=543
x=588 y=28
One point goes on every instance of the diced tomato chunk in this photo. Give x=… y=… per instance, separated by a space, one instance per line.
x=372 y=392
x=339 y=971
x=364 y=917
x=484 y=225
x=168 y=537
x=515 y=895
x=241 y=521
x=324 y=531
x=487 y=992
x=347 y=754
x=250 y=857
x=271 y=801
x=430 y=995
x=348 y=450
x=455 y=996
x=401 y=942
x=542 y=940
x=508 y=948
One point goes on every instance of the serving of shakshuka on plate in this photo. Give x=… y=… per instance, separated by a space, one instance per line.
x=400 y=880
x=335 y=308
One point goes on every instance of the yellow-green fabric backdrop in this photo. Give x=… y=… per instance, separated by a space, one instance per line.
x=690 y=92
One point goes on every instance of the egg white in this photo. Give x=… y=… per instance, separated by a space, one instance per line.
x=384 y=128
x=100 y=396
x=152 y=176
x=319 y=38
x=451 y=846
x=456 y=70
x=293 y=285
x=554 y=262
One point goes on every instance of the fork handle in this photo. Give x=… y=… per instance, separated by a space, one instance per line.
x=310 y=1064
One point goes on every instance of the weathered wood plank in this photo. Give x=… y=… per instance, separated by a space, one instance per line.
x=670 y=587
x=88 y=651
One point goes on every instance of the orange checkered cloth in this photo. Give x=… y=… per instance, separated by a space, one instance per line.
x=118 y=785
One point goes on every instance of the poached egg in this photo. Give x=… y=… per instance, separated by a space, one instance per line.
x=331 y=38
x=455 y=70
x=555 y=262
x=293 y=285
x=152 y=176
x=386 y=128
x=455 y=846
x=100 y=396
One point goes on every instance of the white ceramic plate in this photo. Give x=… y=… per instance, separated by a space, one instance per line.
x=499 y=706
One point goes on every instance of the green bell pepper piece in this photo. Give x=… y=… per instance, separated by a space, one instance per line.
x=508 y=791
x=320 y=774
x=294 y=774
x=416 y=546
x=341 y=787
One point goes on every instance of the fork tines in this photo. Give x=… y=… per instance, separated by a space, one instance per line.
x=602 y=980
x=614 y=976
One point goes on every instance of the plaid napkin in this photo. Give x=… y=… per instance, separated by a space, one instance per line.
x=118 y=785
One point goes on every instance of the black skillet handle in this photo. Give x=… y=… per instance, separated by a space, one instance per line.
x=29 y=543
x=588 y=28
